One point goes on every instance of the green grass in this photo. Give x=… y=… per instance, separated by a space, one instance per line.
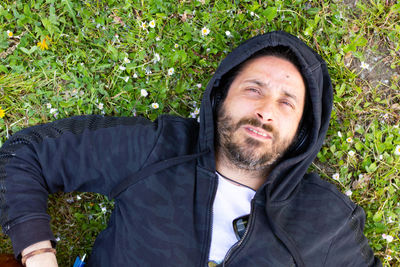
x=99 y=58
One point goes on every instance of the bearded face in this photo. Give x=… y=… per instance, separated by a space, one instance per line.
x=247 y=152
x=259 y=117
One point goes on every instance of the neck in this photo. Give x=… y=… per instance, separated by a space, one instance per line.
x=251 y=178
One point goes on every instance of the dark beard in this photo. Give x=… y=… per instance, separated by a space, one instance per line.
x=243 y=155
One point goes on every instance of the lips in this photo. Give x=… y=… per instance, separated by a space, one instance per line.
x=257 y=132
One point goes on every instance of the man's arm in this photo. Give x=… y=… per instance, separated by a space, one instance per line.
x=40 y=260
x=86 y=153
x=350 y=246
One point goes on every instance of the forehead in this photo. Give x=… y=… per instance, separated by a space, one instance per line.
x=272 y=69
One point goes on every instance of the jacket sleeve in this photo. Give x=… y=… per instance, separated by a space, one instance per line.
x=84 y=153
x=350 y=246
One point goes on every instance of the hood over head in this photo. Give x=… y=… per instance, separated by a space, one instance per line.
x=288 y=172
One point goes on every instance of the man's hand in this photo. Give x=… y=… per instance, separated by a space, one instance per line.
x=40 y=260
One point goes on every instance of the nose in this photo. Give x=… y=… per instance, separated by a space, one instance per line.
x=264 y=113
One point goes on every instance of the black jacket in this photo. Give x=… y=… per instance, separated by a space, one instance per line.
x=162 y=177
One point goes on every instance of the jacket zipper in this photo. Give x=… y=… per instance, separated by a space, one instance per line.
x=240 y=242
x=211 y=219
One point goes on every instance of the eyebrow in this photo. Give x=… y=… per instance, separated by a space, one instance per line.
x=266 y=85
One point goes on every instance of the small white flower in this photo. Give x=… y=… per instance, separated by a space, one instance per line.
x=148 y=71
x=53 y=110
x=143 y=26
x=349 y=193
x=380 y=157
x=122 y=68
x=155 y=105
x=100 y=105
x=388 y=257
x=143 y=93
x=198 y=85
x=335 y=176
x=78 y=197
x=98 y=25
x=126 y=60
x=205 y=31
x=339 y=134
x=251 y=13
x=171 y=71
x=152 y=24
x=364 y=65
x=58 y=239
x=176 y=45
x=104 y=209
x=156 y=57
x=135 y=75
x=397 y=151
x=126 y=79
x=10 y=34
x=158 y=38
x=196 y=111
x=349 y=140
x=390 y=220
x=116 y=36
x=48 y=105
x=388 y=238
x=352 y=153
x=228 y=33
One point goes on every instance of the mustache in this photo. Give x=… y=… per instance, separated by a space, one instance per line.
x=256 y=123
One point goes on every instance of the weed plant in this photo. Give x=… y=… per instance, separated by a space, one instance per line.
x=130 y=58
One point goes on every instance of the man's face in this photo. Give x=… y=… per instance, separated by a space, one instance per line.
x=261 y=113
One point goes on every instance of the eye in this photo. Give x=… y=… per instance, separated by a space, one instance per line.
x=253 y=90
x=287 y=104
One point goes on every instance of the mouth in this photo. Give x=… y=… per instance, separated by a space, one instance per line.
x=257 y=132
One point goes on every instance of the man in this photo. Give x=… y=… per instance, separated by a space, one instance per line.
x=231 y=190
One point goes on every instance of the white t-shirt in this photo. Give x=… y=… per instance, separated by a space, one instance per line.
x=231 y=201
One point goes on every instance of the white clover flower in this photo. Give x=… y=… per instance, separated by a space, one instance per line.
x=364 y=65
x=171 y=71
x=228 y=33
x=156 y=57
x=53 y=110
x=397 y=151
x=352 y=153
x=176 y=45
x=135 y=75
x=205 y=31
x=126 y=79
x=349 y=193
x=388 y=238
x=339 y=134
x=48 y=105
x=126 y=60
x=349 y=140
x=335 y=176
x=143 y=93
x=122 y=68
x=155 y=105
x=152 y=24
x=100 y=106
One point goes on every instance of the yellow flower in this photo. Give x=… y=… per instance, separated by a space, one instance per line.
x=10 y=34
x=2 y=112
x=43 y=45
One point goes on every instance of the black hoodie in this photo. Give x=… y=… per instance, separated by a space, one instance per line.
x=162 y=177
